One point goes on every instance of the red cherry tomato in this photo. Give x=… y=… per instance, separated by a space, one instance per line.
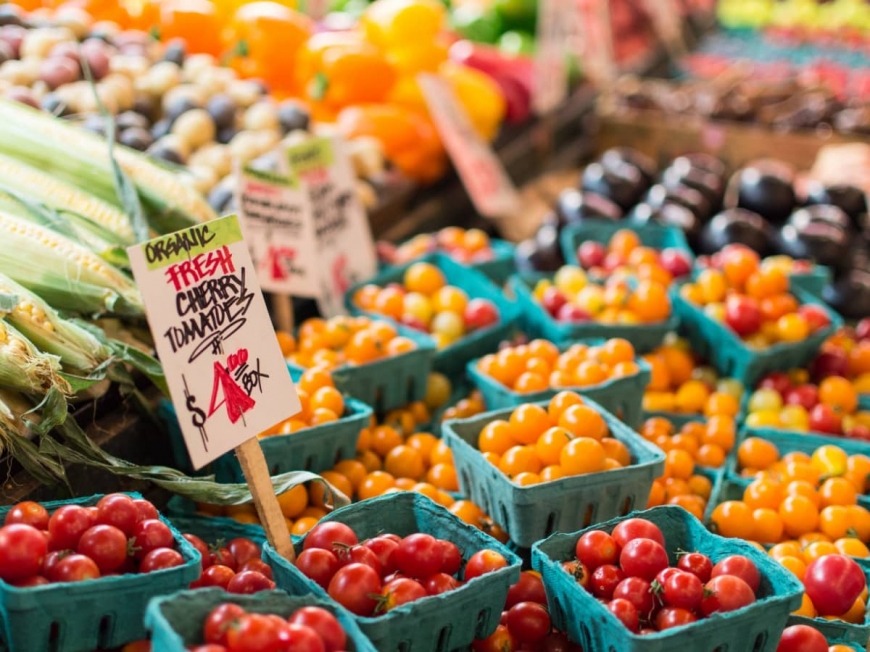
x=353 y=586
x=28 y=513
x=384 y=548
x=222 y=557
x=160 y=559
x=579 y=572
x=726 y=593
x=324 y=623
x=625 y=612
x=118 y=510
x=145 y=510
x=802 y=638
x=451 y=557
x=359 y=554
x=302 y=639
x=248 y=582
x=418 y=555
x=22 y=551
x=216 y=575
x=604 y=581
x=74 y=568
x=639 y=593
x=738 y=566
x=529 y=622
x=833 y=583
x=596 y=548
x=398 y=592
x=529 y=588
x=259 y=566
x=697 y=564
x=643 y=558
x=324 y=535
x=670 y=617
x=66 y=526
x=683 y=590
x=219 y=620
x=201 y=547
x=150 y=534
x=482 y=562
x=106 y=545
x=318 y=564
x=243 y=549
x=253 y=633
x=501 y=640
x=440 y=583
x=637 y=528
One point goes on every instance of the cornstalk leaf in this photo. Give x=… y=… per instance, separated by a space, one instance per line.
x=42 y=465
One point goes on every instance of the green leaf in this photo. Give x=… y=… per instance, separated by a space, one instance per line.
x=125 y=189
x=142 y=362
x=42 y=465
x=319 y=86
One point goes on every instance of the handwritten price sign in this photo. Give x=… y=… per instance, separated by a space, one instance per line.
x=556 y=24
x=481 y=172
x=213 y=334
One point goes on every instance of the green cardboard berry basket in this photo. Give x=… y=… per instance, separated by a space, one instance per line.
x=440 y=623
x=315 y=448
x=176 y=621
x=755 y=628
x=812 y=282
x=651 y=235
x=452 y=359
x=730 y=355
x=538 y=322
x=387 y=383
x=620 y=396
x=82 y=616
x=533 y=512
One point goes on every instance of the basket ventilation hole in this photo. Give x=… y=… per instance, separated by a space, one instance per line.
x=106 y=623
x=722 y=648
x=504 y=512
x=551 y=524
x=612 y=649
x=412 y=390
x=760 y=640
x=587 y=518
x=463 y=481
x=484 y=500
x=627 y=505
x=54 y=637
x=275 y=469
x=309 y=462
x=378 y=403
x=339 y=455
x=443 y=639
x=587 y=637
x=404 y=646
x=482 y=620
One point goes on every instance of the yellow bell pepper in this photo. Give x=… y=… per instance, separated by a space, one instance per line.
x=398 y=23
x=479 y=95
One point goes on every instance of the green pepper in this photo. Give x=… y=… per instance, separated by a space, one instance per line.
x=518 y=14
x=476 y=23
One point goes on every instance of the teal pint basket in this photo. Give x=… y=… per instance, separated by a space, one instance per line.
x=812 y=282
x=755 y=628
x=388 y=383
x=533 y=512
x=651 y=235
x=440 y=623
x=538 y=322
x=83 y=616
x=311 y=449
x=731 y=357
x=620 y=396
x=175 y=621
x=452 y=359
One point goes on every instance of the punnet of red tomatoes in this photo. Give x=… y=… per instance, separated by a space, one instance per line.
x=629 y=571
x=235 y=565
x=231 y=628
x=377 y=575
x=119 y=534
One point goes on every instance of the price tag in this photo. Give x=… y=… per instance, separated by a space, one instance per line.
x=276 y=220
x=556 y=19
x=344 y=245
x=212 y=331
x=482 y=174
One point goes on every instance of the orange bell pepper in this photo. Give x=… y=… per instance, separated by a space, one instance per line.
x=263 y=39
x=409 y=140
x=195 y=21
x=479 y=94
x=346 y=72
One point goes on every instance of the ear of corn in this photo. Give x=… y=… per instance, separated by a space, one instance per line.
x=81 y=159
x=66 y=275
x=76 y=348
x=19 y=178
x=24 y=368
x=12 y=406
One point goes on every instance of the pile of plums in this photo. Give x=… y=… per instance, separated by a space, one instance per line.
x=758 y=205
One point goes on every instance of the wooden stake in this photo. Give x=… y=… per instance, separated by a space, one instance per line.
x=282 y=308
x=256 y=471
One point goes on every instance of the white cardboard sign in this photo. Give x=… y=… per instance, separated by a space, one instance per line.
x=345 y=248
x=276 y=220
x=482 y=174
x=214 y=337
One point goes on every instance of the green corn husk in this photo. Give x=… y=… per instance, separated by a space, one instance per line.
x=24 y=368
x=77 y=349
x=66 y=275
x=82 y=159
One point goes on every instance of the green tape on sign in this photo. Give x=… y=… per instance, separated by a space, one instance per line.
x=183 y=245
x=311 y=155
